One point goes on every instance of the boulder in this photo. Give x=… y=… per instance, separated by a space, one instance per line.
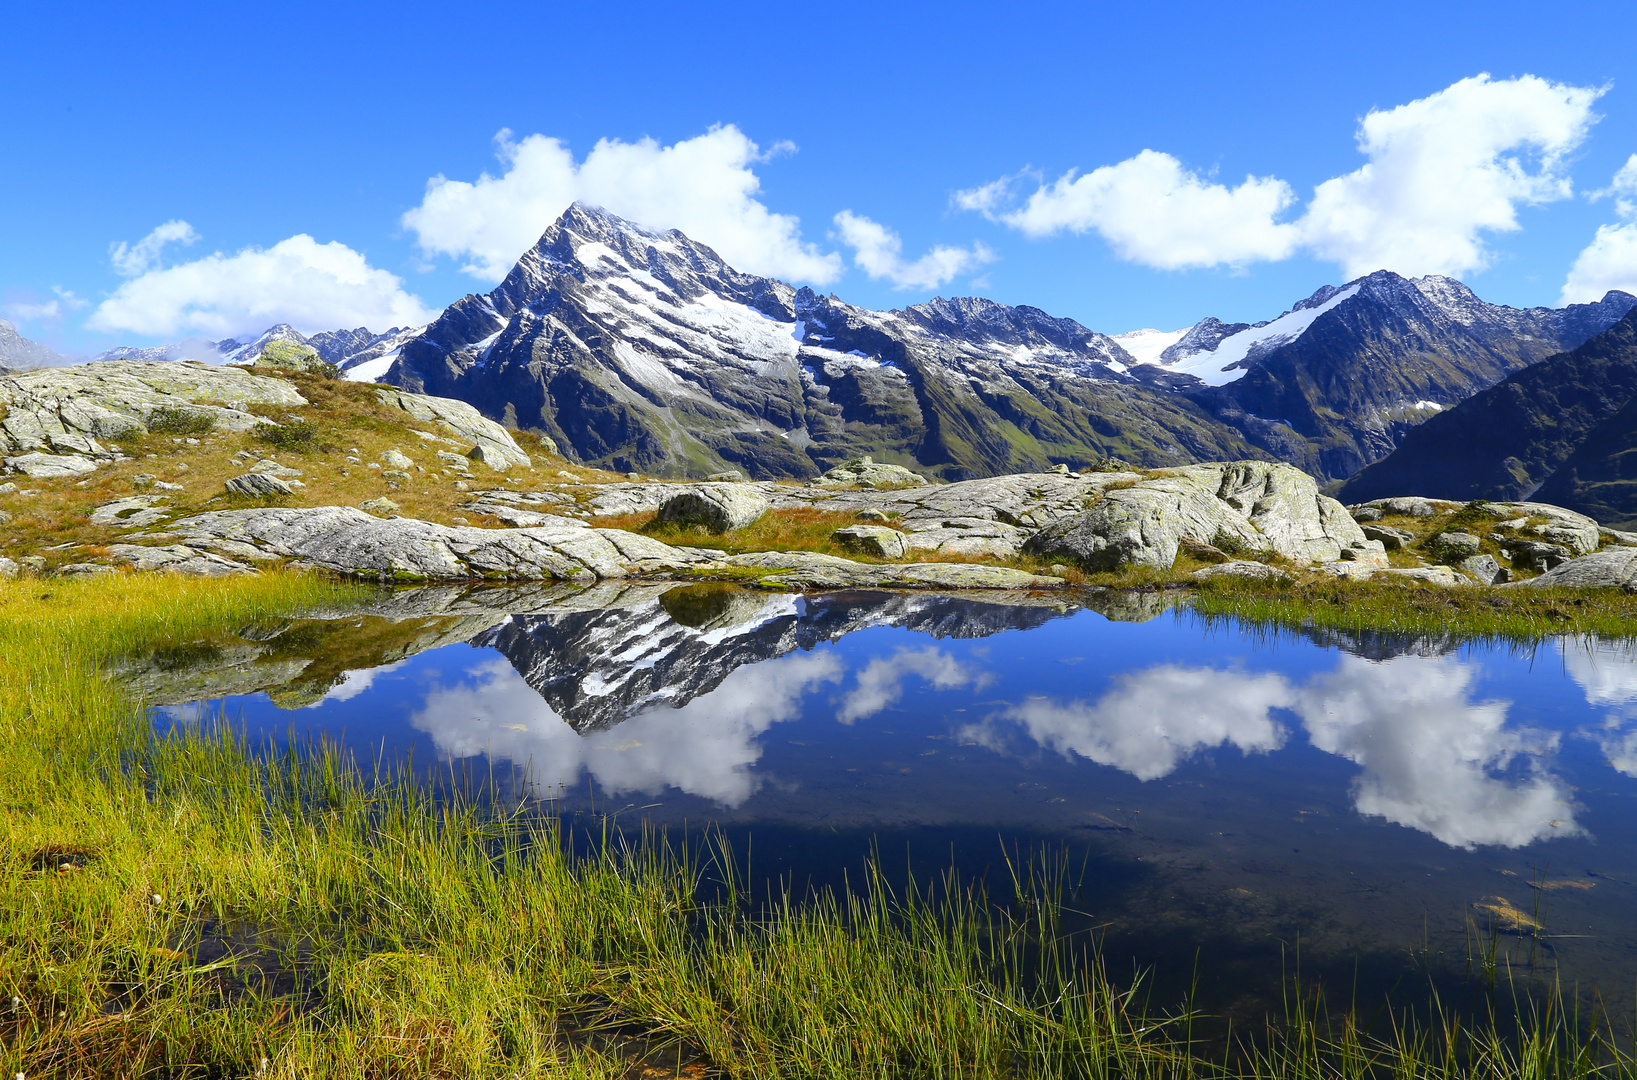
x=380 y=507
x=873 y=517
x=1452 y=547
x=731 y=476
x=865 y=472
x=40 y=466
x=499 y=449
x=718 y=507
x=1617 y=536
x=273 y=468
x=1535 y=554
x=1390 y=538
x=395 y=459
x=1362 y=514
x=1243 y=505
x=1611 y=568
x=876 y=540
x=292 y=356
x=1483 y=569
x=255 y=485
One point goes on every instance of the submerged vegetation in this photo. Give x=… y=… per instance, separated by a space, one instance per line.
x=188 y=905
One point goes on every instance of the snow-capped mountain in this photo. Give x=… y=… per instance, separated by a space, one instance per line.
x=637 y=349
x=1334 y=383
x=365 y=356
x=361 y=353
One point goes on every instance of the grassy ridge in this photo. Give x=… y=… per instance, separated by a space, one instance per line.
x=183 y=906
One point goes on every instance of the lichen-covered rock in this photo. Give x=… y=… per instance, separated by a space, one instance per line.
x=51 y=407
x=380 y=507
x=1426 y=575
x=255 y=485
x=1535 y=554
x=876 y=540
x=492 y=444
x=349 y=541
x=41 y=466
x=1452 y=547
x=1243 y=505
x=1611 y=568
x=1390 y=538
x=396 y=459
x=1411 y=506
x=1362 y=514
x=176 y=559
x=718 y=507
x=8 y=567
x=1483 y=569
x=136 y=511
x=866 y=472
x=292 y=356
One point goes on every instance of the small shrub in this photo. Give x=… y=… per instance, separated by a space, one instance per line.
x=172 y=421
x=1227 y=543
x=295 y=435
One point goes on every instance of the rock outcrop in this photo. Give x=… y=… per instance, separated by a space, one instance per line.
x=1235 y=506
x=866 y=472
x=492 y=444
x=70 y=410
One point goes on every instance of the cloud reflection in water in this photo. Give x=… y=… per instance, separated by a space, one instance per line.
x=706 y=748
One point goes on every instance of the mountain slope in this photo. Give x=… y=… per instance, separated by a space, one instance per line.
x=1380 y=357
x=1506 y=442
x=642 y=350
x=17 y=351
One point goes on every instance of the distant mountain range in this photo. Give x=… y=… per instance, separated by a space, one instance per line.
x=1562 y=431
x=642 y=350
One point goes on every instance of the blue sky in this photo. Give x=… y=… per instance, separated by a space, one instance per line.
x=928 y=126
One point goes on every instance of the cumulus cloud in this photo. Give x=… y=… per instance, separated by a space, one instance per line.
x=1443 y=173
x=1610 y=260
x=881 y=683
x=1447 y=169
x=1151 y=210
x=133 y=259
x=878 y=251
x=310 y=285
x=705 y=186
x=1432 y=758
x=1156 y=718
x=708 y=747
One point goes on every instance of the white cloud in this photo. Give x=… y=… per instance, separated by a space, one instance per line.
x=132 y=259
x=1607 y=675
x=706 y=748
x=1156 y=718
x=1153 y=211
x=1433 y=759
x=704 y=186
x=310 y=285
x=1610 y=260
x=44 y=311
x=1442 y=173
x=881 y=683
x=878 y=251
x=1446 y=169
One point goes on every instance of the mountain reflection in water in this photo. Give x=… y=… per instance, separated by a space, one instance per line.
x=1358 y=793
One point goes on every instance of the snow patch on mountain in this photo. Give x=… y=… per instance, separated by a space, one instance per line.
x=1145 y=346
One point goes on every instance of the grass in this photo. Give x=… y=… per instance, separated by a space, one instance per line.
x=191 y=906
x=1421 y=610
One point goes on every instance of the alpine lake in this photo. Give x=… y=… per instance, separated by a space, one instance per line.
x=1397 y=818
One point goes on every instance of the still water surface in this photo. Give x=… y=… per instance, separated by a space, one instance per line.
x=1224 y=793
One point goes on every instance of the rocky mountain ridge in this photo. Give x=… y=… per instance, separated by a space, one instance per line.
x=1562 y=430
